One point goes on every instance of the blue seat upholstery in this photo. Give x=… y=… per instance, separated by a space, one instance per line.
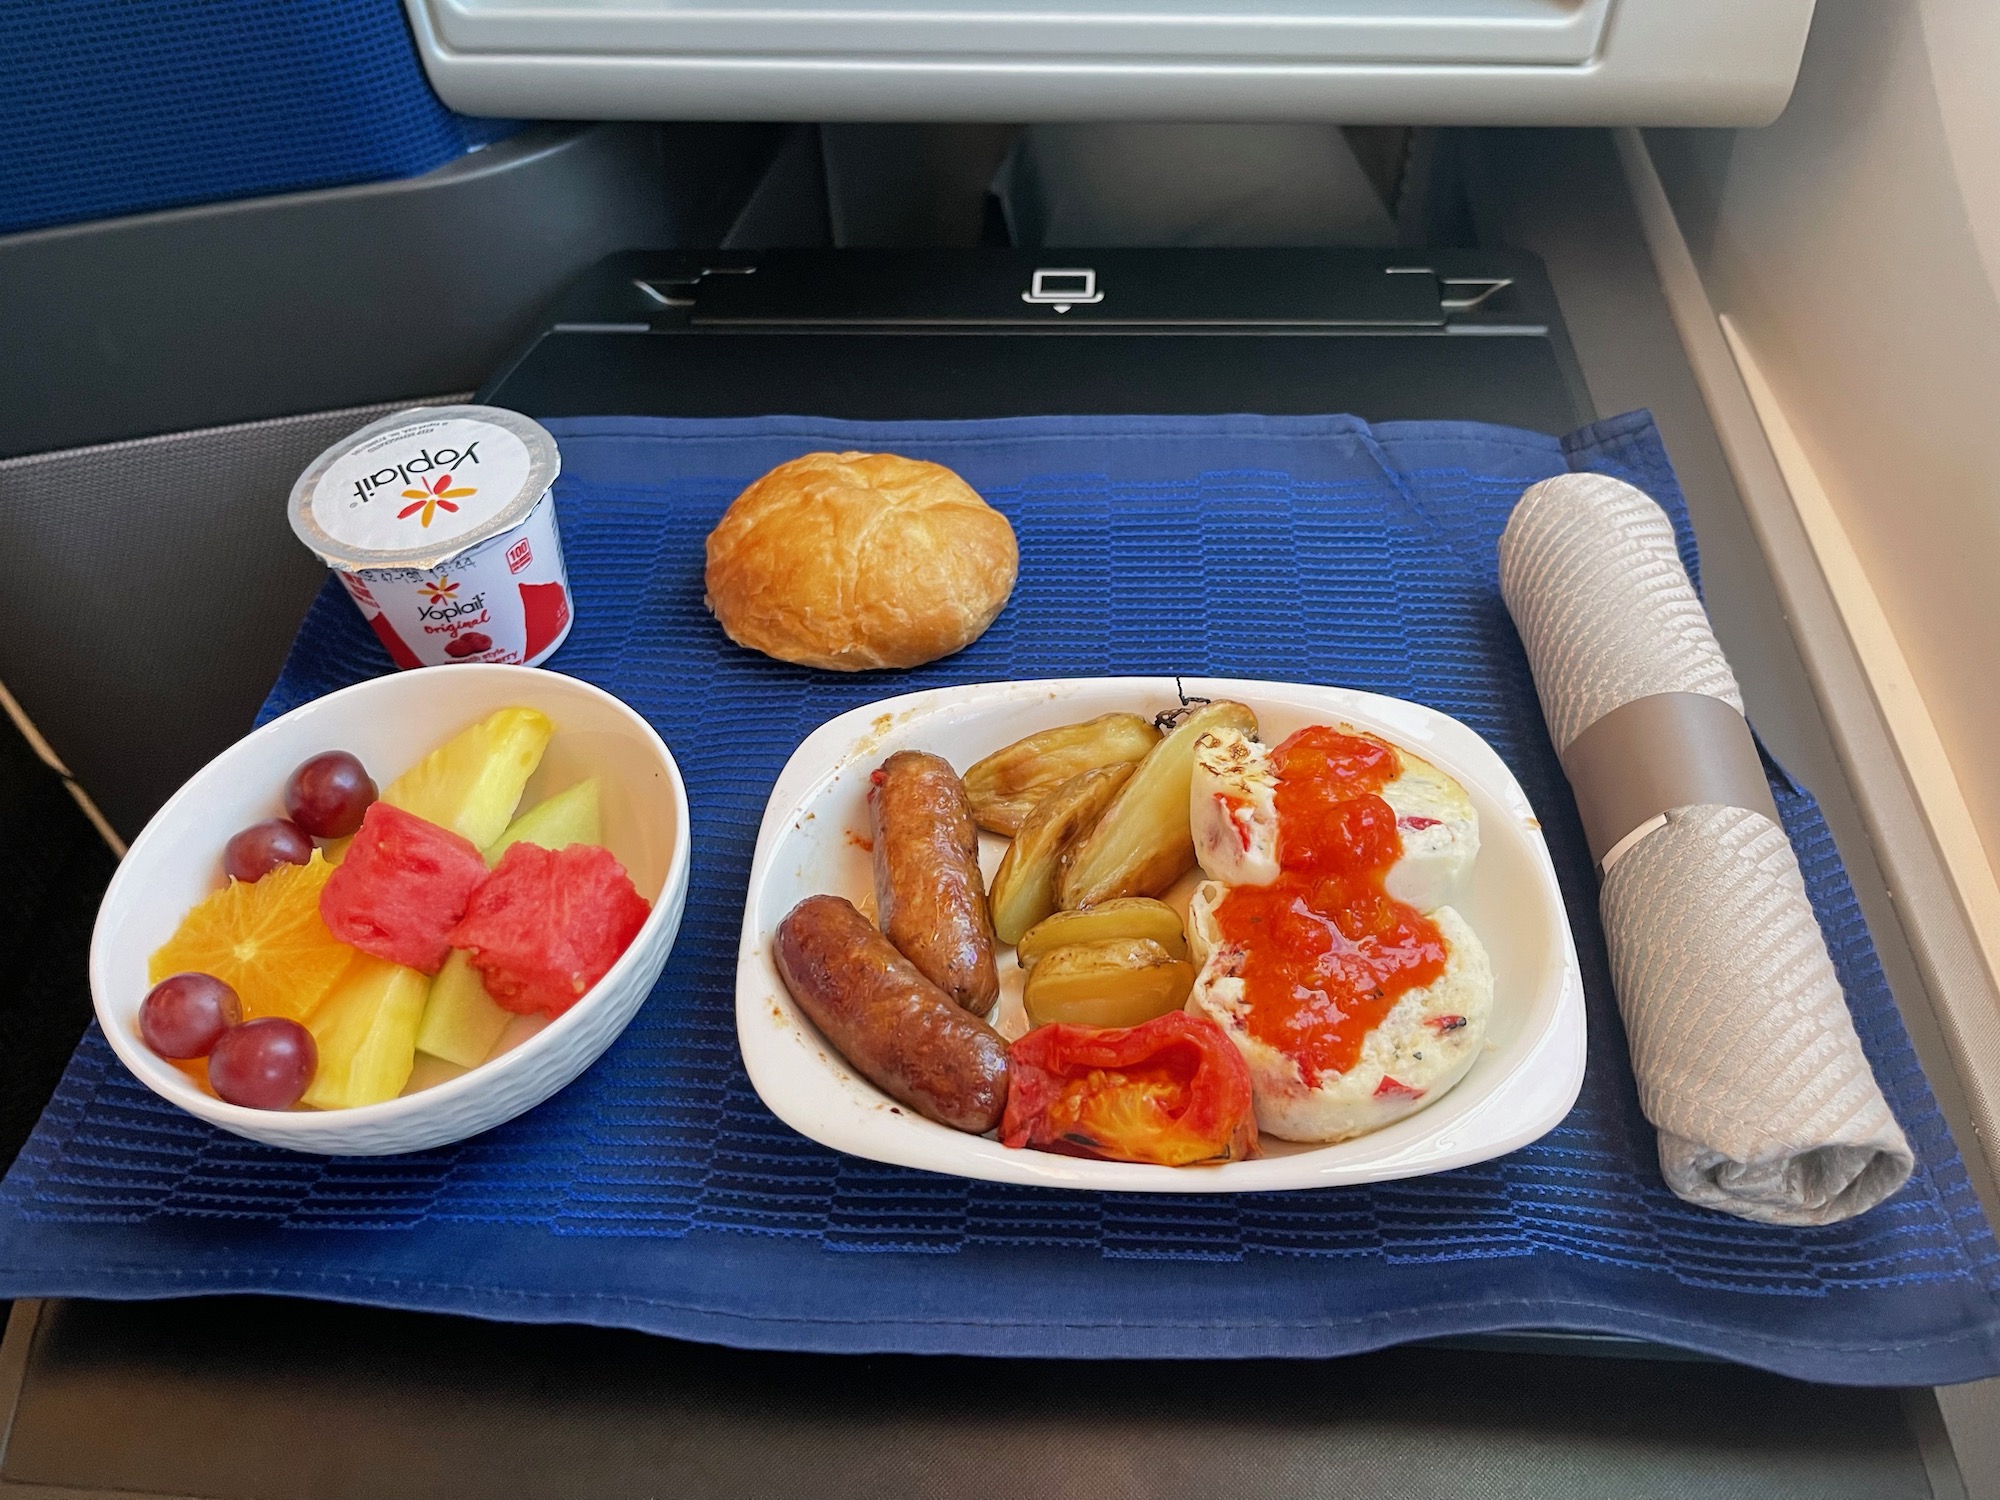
x=112 y=107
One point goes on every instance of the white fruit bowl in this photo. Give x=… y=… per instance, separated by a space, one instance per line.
x=391 y=723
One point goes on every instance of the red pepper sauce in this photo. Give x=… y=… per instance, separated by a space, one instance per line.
x=1328 y=951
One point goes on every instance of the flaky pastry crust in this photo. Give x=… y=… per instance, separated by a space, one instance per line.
x=851 y=561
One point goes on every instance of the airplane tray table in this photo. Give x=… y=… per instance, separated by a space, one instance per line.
x=657 y=1193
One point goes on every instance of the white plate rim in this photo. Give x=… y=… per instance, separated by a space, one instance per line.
x=1524 y=1105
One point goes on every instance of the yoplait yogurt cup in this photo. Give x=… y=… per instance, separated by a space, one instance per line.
x=440 y=521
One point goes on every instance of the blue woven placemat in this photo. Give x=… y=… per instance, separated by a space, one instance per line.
x=658 y=1193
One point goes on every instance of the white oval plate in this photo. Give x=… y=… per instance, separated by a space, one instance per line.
x=813 y=840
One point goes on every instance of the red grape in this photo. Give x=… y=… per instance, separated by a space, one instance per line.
x=328 y=794
x=263 y=1064
x=184 y=1015
x=262 y=847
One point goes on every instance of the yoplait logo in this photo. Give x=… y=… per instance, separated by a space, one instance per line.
x=427 y=496
x=433 y=499
x=444 y=605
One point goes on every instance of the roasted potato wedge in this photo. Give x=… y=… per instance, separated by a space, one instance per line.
x=1006 y=786
x=1142 y=844
x=1024 y=887
x=1118 y=983
x=1126 y=917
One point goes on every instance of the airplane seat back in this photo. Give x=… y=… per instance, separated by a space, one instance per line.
x=150 y=104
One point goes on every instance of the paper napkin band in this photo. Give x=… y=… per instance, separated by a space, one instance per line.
x=1653 y=754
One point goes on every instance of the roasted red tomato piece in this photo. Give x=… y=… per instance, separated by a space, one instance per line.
x=1174 y=1092
x=550 y=923
x=401 y=888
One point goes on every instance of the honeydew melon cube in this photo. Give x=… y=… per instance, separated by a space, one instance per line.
x=460 y=1022
x=571 y=817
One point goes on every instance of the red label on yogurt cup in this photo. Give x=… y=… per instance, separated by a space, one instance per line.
x=441 y=523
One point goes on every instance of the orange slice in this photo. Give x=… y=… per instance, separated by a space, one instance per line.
x=263 y=938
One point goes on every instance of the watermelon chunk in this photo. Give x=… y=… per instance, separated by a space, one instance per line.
x=401 y=887
x=548 y=924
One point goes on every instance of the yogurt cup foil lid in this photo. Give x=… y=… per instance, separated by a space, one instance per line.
x=420 y=486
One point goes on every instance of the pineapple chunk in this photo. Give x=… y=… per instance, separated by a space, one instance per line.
x=571 y=817
x=366 y=1030
x=472 y=783
x=461 y=1023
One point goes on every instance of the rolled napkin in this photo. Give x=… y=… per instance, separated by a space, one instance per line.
x=1741 y=1040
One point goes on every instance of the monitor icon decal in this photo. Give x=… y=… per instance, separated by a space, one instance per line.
x=1063 y=289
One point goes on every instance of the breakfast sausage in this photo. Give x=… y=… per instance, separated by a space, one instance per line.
x=900 y=1031
x=929 y=894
